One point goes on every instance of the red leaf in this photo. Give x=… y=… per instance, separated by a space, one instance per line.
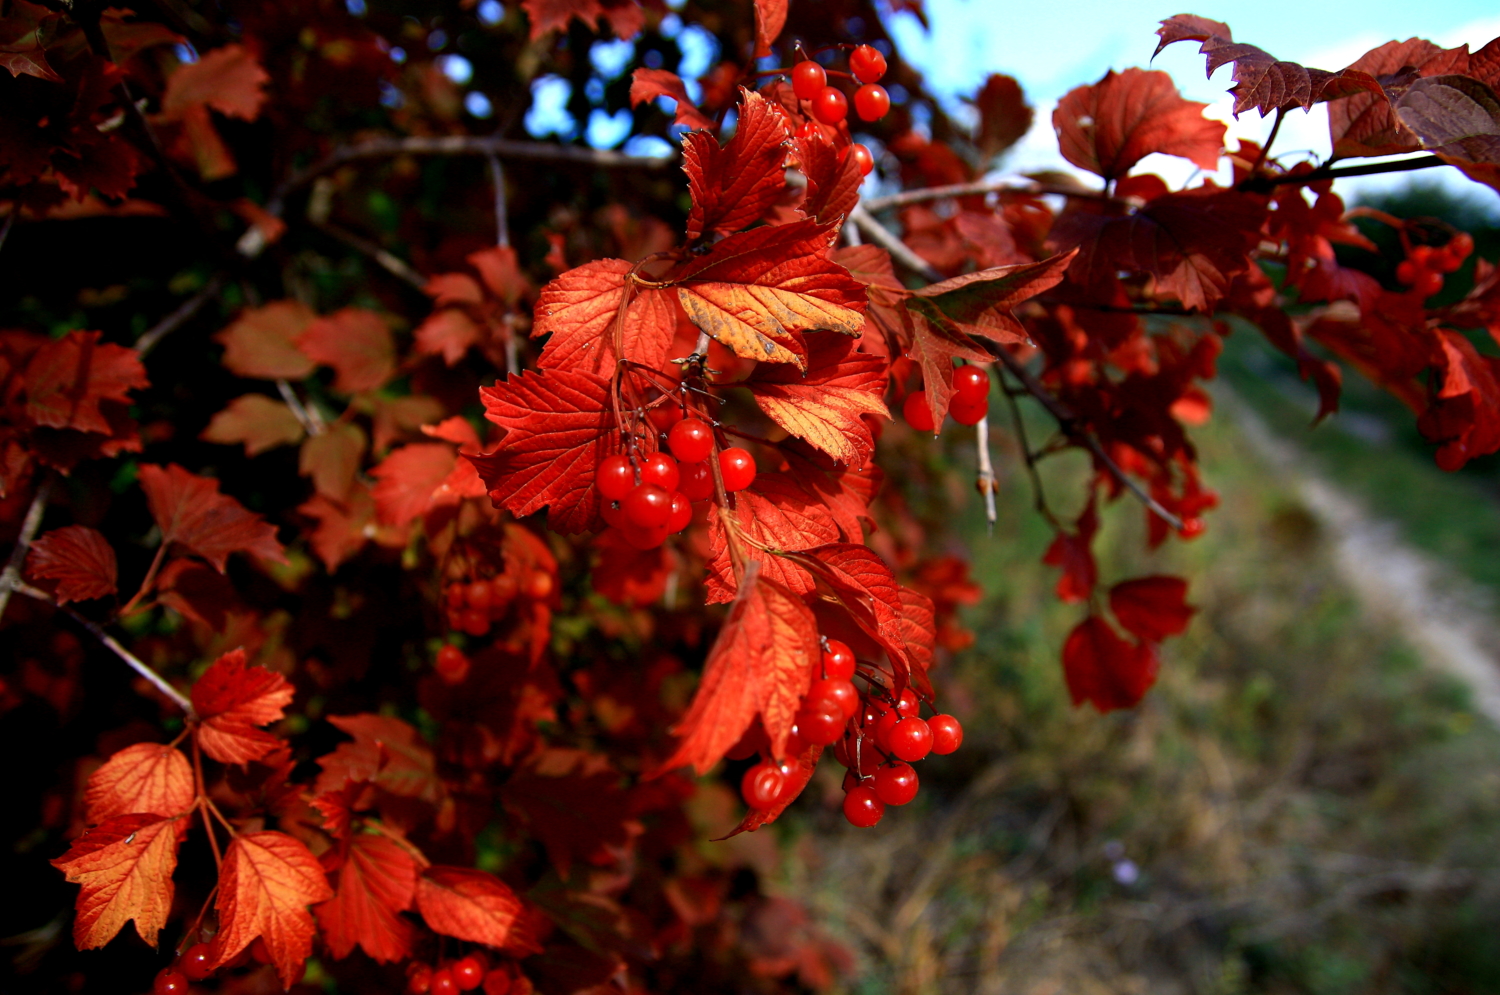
x=571 y=801
x=579 y=309
x=375 y=883
x=770 y=18
x=1365 y=124
x=624 y=16
x=1108 y=127
x=332 y=460
x=79 y=558
x=406 y=479
x=825 y=405
x=983 y=302
x=845 y=492
x=21 y=48
x=760 y=664
x=732 y=186
x=261 y=342
x=1151 y=608
x=356 y=343
x=125 y=867
x=233 y=699
x=935 y=347
x=866 y=586
x=755 y=290
x=448 y=332
x=559 y=425
x=257 y=421
x=833 y=181
x=648 y=84
x=776 y=514
x=796 y=783
x=191 y=512
x=919 y=630
x=67 y=379
x=266 y=885
x=386 y=752
x=472 y=905
x=1105 y=669
x=149 y=778
x=228 y=79
x=1004 y=115
x=1073 y=553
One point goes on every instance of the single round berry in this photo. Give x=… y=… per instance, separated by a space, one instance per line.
x=737 y=467
x=808 y=79
x=967 y=412
x=867 y=64
x=862 y=158
x=615 y=477
x=971 y=382
x=918 y=412
x=613 y=514
x=443 y=982
x=660 y=469
x=821 y=725
x=796 y=743
x=682 y=513
x=910 y=739
x=1192 y=527
x=648 y=506
x=539 y=585
x=838 y=661
x=909 y=704
x=947 y=734
x=169 y=982
x=833 y=693
x=419 y=979
x=194 y=962
x=474 y=623
x=830 y=106
x=1461 y=245
x=644 y=537
x=454 y=594
x=896 y=784
x=469 y=971
x=884 y=725
x=1406 y=272
x=1428 y=282
x=862 y=807
x=452 y=665
x=1420 y=256
x=666 y=415
x=762 y=785
x=691 y=440
x=477 y=595
x=696 y=481
x=502 y=590
x=871 y=102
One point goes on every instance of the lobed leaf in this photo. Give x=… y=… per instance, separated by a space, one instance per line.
x=1152 y=608
x=147 y=778
x=471 y=905
x=824 y=406
x=67 y=379
x=1110 y=126
x=192 y=513
x=257 y=421
x=1103 y=668
x=125 y=867
x=233 y=699
x=358 y=345
x=266 y=885
x=731 y=186
x=649 y=84
x=375 y=882
x=261 y=342
x=79 y=559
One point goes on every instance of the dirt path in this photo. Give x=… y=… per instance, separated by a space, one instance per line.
x=1450 y=621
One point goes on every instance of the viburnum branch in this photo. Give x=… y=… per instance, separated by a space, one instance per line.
x=10 y=222
x=184 y=313
x=986 y=481
x=977 y=188
x=203 y=804
x=147 y=581
x=890 y=242
x=1265 y=149
x=312 y=422
x=1038 y=492
x=502 y=222
x=11 y=576
x=1264 y=184
x=392 y=264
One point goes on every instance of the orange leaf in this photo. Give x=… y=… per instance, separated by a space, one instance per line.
x=469 y=905
x=79 y=558
x=866 y=586
x=825 y=405
x=191 y=512
x=67 y=379
x=833 y=181
x=579 y=309
x=448 y=332
x=332 y=460
x=405 y=480
x=260 y=342
x=266 y=885
x=386 y=752
x=125 y=867
x=760 y=664
x=149 y=778
x=757 y=289
x=376 y=883
x=228 y=79
x=777 y=514
x=648 y=84
x=356 y=343
x=983 y=302
x=733 y=185
x=256 y=420
x=1108 y=127
x=233 y=699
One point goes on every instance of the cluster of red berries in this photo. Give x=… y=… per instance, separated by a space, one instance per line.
x=876 y=736
x=191 y=965
x=650 y=497
x=472 y=605
x=1423 y=268
x=970 y=401
x=447 y=977
x=827 y=103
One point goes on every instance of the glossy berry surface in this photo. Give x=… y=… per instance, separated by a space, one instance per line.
x=871 y=102
x=664 y=416
x=838 y=661
x=443 y=982
x=468 y=972
x=169 y=982
x=808 y=80
x=452 y=665
x=947 y=734
x=909 y=704
x=862 y=807
x=830 y=106
x=696 y=481
x=862 y=158
x=615 y=477
x=418 y=979
x=896 y=784
x=833 y=693
x=648 y=506
x=194 y=962
x=474 y=623
x=644 y=536
x=867 y=64
x=971 y=382
x=738 y=468
x=917 y=412
x=910 y=739
x=660 y=469
x=821 y=725
x=691 y=440
x=968 y=412
x=682 y=513
x=762 y=785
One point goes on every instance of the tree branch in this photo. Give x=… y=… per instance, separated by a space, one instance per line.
x=1265 y=184
x=502 y=221
x=888 y=240
x=392 y=264
x=10 y=577
x=181 y=316
x=1003 y=185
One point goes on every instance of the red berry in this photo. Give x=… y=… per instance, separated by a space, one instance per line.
x=1406 y=272
x=451 y=665
x=169 y=982
x=867 y=64
x=885 y=723
x=833 y=693
x=917 y=412
x=613 y=514
x=808 y=80
x=896 y=784
x=1427 y=283
x=454 y=593
x=443 y=983
x=194 y=962
x=660 y=469
x=838 y=661
x=502 y=590
x=692 y=441
x=419 y=979
x=474 y=623
x=971 y=383
x=469 y=971
x=762 y=785
x=947 y=734
x=821 y=725
x=910 y=739
x=1461 y=245
x=909 y=704
x=862 y=158
x=648 y=506
x=967 y=412
x=539 y=585
x=664 y=416
x=830 y=106
x=615 y=477
x=478 y=594
x=696 y=481
x=796 y=743
x=862 y=807
x=738 y=468
x=1420 y=255
x=644 y=537
x=1192 y=527
x=682 y=514
x=871 y=102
